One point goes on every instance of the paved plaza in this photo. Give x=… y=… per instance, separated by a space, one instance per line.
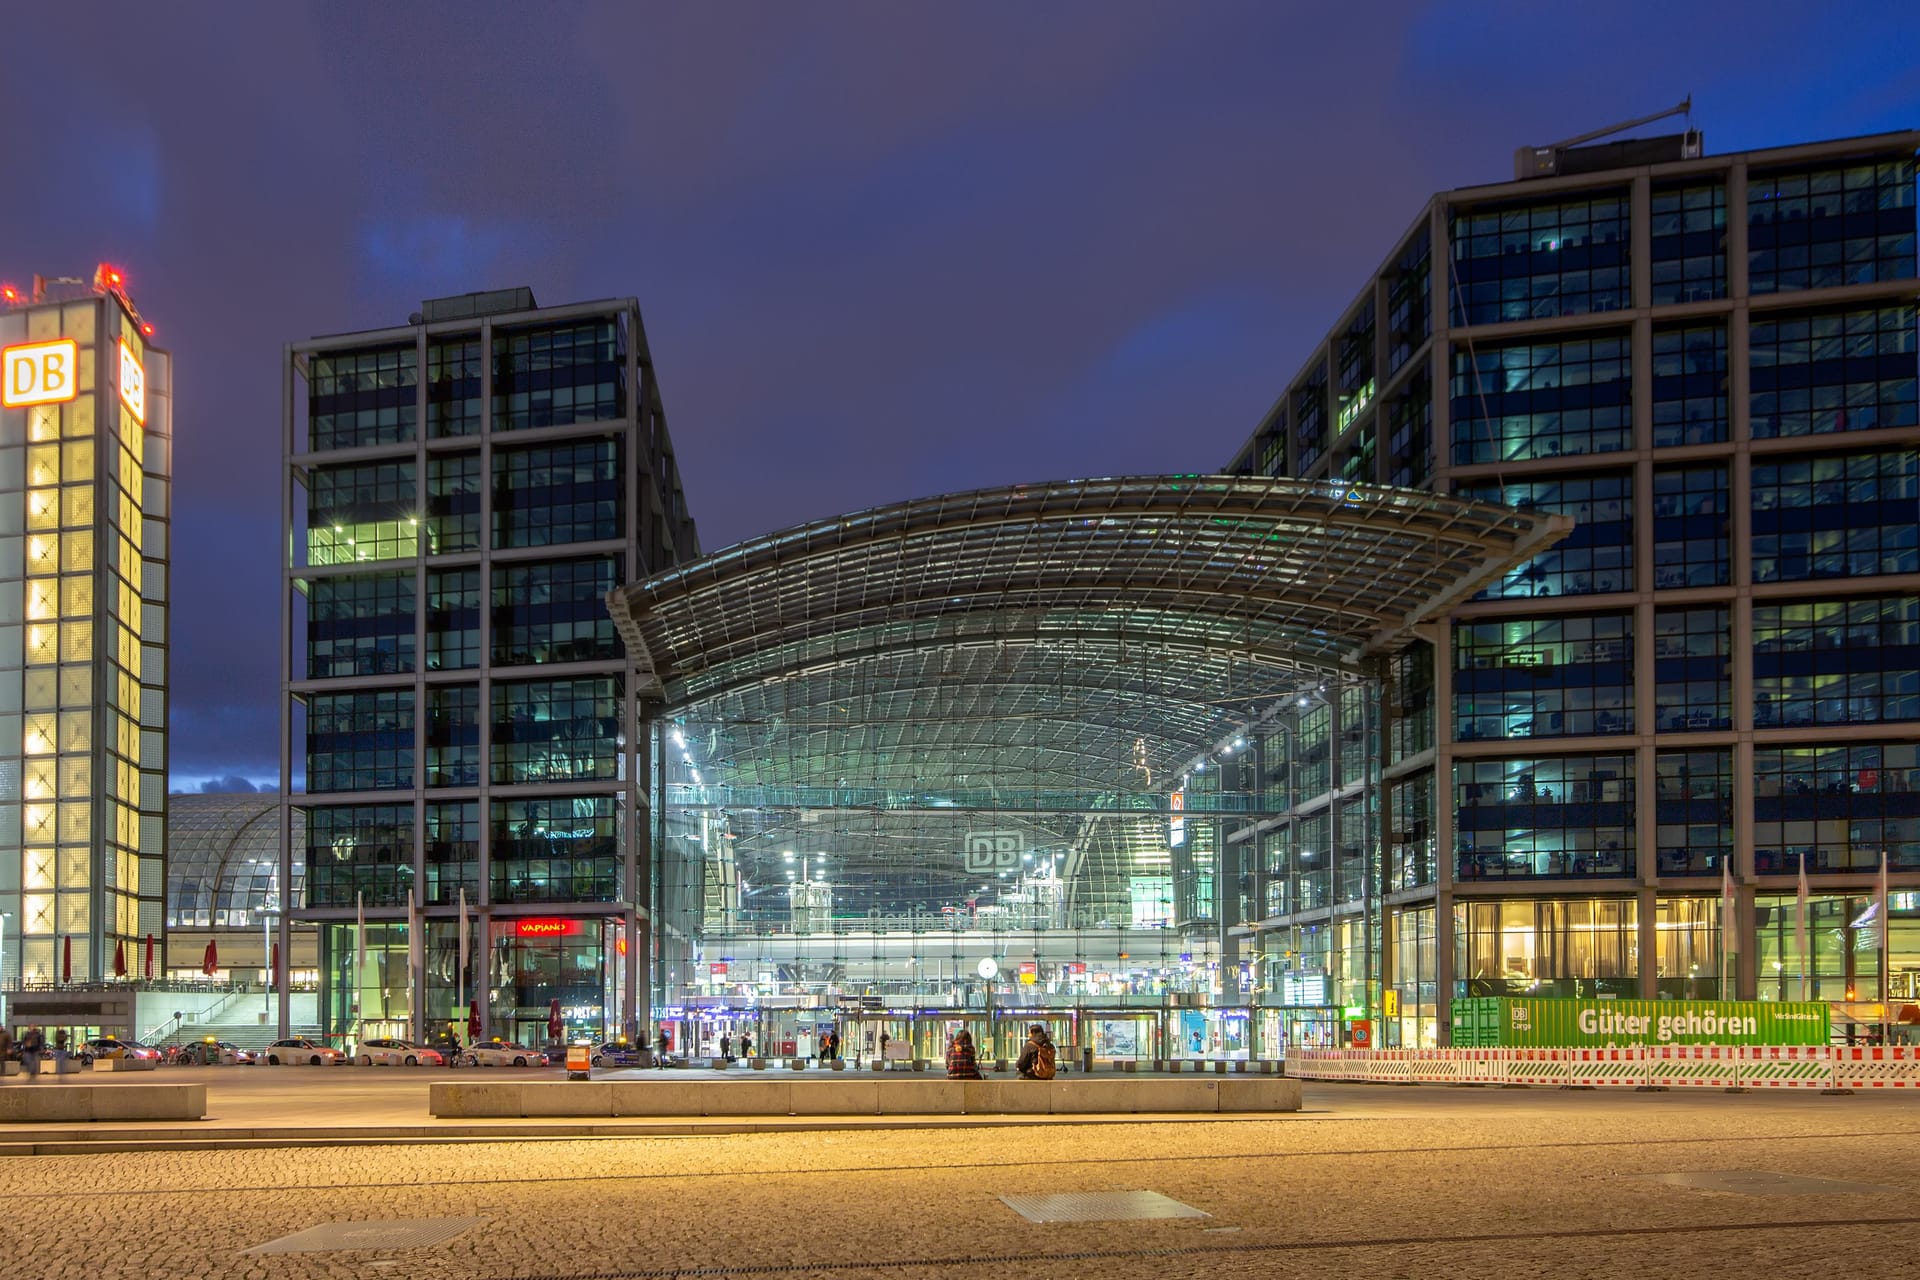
x=1378 y=1180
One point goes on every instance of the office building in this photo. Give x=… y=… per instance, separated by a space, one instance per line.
x=461 y=493
x=1709 y=363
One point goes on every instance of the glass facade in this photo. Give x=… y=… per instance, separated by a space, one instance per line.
x=1693 y=807
x=1552 y=258
x=1688 y=234
x=1841 y=806
x=1836 y=661
x=1693 y=676
x=1542 y=399
x=1817 y=228
x=1833 y=371
x=1565 y=947
x=1544 y=817
x=1690 y=527
x=1689 y=384
x=1836 y=515
x=509 y=549
x=1596 y=558
x=1566 y=676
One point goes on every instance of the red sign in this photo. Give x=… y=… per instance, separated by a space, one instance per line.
x=1869 y=779
x=1362 y=1033
x=546 y=927
x=718 y=970
x=1074 y=966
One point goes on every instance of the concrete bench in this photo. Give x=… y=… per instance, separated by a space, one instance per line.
x=786 y=1096
x=126 y=1064
x=60 y=1103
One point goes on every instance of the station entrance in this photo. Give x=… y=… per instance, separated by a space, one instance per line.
x=1017 y=756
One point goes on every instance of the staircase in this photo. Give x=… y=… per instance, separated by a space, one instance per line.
x=251 y=1034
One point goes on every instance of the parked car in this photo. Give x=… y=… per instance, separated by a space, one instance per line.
x=504 y=1053
x=398 y=1053
x=619 y=1053
x=299 y=1050
x=116 y=1047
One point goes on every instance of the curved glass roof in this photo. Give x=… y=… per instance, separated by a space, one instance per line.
x=223 y=854
x=1042 y=664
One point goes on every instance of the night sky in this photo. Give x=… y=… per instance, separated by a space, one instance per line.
x=883 y=249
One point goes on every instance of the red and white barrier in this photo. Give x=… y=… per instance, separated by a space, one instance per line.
x=1647 y=1066
x=1891 y=1067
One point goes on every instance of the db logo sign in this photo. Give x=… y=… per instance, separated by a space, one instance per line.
x=992 y=850
x=38 y=373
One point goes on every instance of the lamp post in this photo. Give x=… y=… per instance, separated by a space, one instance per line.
x=4 y=917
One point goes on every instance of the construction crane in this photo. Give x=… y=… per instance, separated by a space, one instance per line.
x=1544 y=162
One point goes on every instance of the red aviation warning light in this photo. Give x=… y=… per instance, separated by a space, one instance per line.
x=107 y=276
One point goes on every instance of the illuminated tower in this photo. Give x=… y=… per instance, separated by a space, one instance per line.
x=85 y=465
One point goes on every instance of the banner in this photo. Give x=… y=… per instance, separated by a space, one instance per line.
x=1489 y=1022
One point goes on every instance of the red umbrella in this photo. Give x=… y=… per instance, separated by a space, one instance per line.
x=473 y=1021
x=210 y=963
x=554 y=1025
x=120 y=958
x=273 y=968
x=66 y=960
x=148 y=971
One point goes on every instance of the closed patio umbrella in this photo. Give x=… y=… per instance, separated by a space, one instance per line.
x=473 y=1021
x=66 y=960
x=120 y=959
x=554 y=1024
x=148 y=971
x=210 y=963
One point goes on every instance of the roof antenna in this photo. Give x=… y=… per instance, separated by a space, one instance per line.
x=1544 y=162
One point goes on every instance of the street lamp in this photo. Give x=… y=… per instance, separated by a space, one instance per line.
x=4 y=917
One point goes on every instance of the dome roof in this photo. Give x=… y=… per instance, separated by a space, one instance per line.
x=223 y=853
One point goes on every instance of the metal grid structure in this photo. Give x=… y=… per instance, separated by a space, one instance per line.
x=848 y=704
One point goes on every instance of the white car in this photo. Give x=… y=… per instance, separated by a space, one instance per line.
x=301 y=1050
x=398 y=1053
x=504 y=1053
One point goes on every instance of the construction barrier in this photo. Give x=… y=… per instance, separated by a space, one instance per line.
x=1892 y=1067
x=1633 y=1067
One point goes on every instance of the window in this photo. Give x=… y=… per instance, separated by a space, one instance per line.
x=1596 y=557
x=1692 y=689
x=453 y=735
x=555 y=376
x=360 y=625
x=1835 y=516
x=555 y=849
x=1689 y=243
x=1690 y=526
x=1839 y=804
x=1409 y=301
x=360 y=741
x=1410 y=433
x=1819 y=228
x=554 y=612
x=360 y=398
x=1568 y=948
x=1543 y=677
x=556 y=730
x=362 y=852
x=1833 y=371
x=1836 y=661
x=1542 y=400
x=1693 y=807
x=1310 y=420
x=453 y=388
x=1410 y=861
x=1544 y=816
x=453 y=853
x=1566 y=258
x=453 y=619
x=361 y=512
x=1409 y=696
x=1689 y=385
x=554 y=494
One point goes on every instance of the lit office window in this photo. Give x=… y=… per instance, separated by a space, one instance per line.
x=1690 y=385
x=1544 y=817
x=1542 y=399
x=1833 y=371
x=1818 y=228
x=1543 y=677
x=1819 y=662
x=1835 y=516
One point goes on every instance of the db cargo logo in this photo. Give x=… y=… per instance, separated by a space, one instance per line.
x=38 y=373
x=992 y=850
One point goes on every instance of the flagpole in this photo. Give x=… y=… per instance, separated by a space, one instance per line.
x=1886 y=940
x=1800 y=933
x=1726 y=923
x=460 y=978
x=359 y=955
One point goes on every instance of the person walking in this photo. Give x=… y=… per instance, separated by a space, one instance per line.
x=1036 y=1061
x=32 y=1045
x=726 y=1047
x=746 y=1045
x=59 y=1053
x=962 y=1064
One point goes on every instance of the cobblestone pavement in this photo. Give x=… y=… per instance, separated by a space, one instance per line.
x=1390 y=1182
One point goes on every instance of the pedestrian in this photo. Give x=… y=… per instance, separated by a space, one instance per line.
x=60 y=1051
x=726 y=1047
x=961 y=1062
x=833 y=1038
x=746 y=1045
x=6 y=1047
x=1036 y=1058
x=32 y=1045
x=885 y=1040
x=453 y=1047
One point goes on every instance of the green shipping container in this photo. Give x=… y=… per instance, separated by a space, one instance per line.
x=1495 y=1022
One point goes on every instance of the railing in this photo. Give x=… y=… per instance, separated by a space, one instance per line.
x=1828 y=1068
x=199 y=1016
